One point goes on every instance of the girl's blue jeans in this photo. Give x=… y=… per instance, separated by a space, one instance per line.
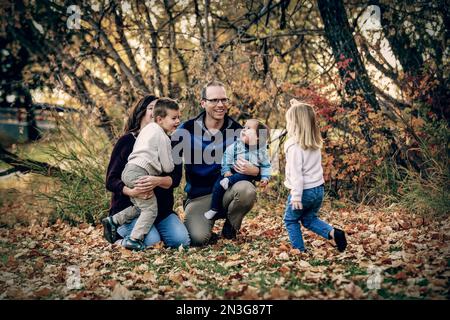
x=311 y=201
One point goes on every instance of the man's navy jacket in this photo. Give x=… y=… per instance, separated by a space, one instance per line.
x=202 y=153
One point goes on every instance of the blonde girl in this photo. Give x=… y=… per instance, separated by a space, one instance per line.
x=304 y=177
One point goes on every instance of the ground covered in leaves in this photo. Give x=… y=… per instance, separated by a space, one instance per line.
x=391 y=255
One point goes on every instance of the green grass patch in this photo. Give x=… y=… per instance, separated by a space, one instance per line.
x=395 y=248
x=355 y=270
x=264 y=283
x=318 y=262
x=386 y=294
x=393 y=270
x=352 y=268
x=232 y=248
x=4 y=166
x=4 y=258
x=327 y=284
x=294 y=283
x=212 y=267
x=392 y=280
x=423 y=282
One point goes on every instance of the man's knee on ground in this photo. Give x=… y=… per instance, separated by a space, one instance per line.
x=246 y=193
x=199 y=239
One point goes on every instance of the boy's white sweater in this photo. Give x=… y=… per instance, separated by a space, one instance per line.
x=303 y=169
x=152 y=150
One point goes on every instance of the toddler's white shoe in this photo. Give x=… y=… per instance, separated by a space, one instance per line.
x=210 y=214
x=224 y=183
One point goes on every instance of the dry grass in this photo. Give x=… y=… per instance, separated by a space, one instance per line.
x=19 y=200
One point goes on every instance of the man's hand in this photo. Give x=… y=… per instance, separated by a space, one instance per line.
x=227 y=174
x=297 y=205
x=243 y=166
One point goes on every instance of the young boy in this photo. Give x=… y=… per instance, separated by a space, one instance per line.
x=152 y=155
x=252 y=147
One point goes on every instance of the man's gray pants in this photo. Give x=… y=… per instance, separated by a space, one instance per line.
x=237 y=202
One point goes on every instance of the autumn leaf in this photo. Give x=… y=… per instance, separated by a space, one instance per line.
x=355 y=291
x=121 y=293
x=41 y=293
x=250 y=293
x=277 y=294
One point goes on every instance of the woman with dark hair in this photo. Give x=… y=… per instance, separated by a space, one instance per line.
x=167 y=227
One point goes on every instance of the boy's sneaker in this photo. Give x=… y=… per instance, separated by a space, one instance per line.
x=133 y=244
x=109 y=230
x=339 y=238
x=228 y=231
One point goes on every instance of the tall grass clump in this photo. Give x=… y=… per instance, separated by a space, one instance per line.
x=81 y=150
x=421 y=182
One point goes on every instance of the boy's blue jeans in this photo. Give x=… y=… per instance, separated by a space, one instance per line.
x=218 y=191
x=311 y=201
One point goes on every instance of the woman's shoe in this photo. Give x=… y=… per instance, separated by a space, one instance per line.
x=132 y=244
x=109 y=230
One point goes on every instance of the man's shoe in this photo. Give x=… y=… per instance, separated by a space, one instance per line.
x=228 y=231
x=109 y=230
x=132 y=244
x=214 y=238
x=339 y=238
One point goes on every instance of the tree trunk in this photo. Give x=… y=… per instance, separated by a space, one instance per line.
x=407 y=54
x=354 y=75
x=33 y=132
x=126 y=45
x=173 y=42
x=339 y=35
x=203 y=34
x=154 y=46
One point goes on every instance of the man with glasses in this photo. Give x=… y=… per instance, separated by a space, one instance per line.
x=201 y=142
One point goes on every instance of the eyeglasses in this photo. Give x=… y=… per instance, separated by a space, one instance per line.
x=216 y=101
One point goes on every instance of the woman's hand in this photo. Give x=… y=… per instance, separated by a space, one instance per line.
x=145 y=195
x=243 y=166
x=143 y=187
x=146 y=183
x=138 y=193
x=297 y=205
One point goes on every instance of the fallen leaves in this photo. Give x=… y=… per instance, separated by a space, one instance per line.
x=302 y=264
x=283 y=256
x=250 y=293
x=121 y=293
x=277 y=294
x=410 y=253
x=355 y=291
x=149 y=277
x=230 y=264
x=43 y=292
